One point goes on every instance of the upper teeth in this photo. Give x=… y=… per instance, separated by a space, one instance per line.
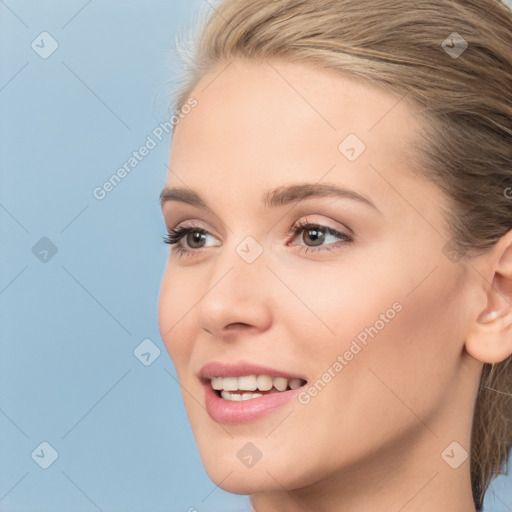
x=253 y=382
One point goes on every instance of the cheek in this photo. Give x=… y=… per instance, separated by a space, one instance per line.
x=329 y=307
x=173 y=307
x=402 y=372
x=407 y=364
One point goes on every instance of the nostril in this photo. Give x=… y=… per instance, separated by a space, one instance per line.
x=238 y=325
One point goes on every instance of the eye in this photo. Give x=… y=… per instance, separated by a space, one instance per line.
x=316 y=234
x=192 y=234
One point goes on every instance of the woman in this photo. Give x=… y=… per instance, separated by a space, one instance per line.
x=338 y=296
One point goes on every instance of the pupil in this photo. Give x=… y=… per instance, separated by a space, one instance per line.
x=196 y=236
x=316 y=231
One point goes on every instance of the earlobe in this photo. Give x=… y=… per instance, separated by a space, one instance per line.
x=490 y=339
x=490 y=336
x=486 y=318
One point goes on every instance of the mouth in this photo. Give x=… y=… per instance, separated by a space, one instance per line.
x=246 y=392
x=248 y=387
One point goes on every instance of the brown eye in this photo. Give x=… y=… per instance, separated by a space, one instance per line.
x=314 y=235
x=194 y=237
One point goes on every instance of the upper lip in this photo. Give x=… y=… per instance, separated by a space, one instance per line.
x=218 y=369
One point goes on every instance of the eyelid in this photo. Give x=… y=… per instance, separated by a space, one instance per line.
x=303 y=226
x=306 y=220
x=345 y=230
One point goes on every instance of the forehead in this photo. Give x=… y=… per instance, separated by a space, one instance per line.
x=329 y=99
x=277 y=104
x=259 y=125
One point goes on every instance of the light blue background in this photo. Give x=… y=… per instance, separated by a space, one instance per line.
x=69 y=326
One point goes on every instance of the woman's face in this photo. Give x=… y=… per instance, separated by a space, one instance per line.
x=371 y=315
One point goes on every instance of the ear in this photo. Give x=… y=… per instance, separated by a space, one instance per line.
x=490 y=334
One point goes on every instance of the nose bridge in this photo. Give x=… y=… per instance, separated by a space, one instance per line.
x=245 y=264
x=236 y=290
x=243 y=258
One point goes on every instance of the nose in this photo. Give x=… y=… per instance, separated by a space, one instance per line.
x=236 y=298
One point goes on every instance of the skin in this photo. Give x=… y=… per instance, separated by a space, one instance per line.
x=373 y=437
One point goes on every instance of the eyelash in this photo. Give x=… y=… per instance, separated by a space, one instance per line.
x=175 y=235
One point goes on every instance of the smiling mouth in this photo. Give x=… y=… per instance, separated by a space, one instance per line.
x=247 y=387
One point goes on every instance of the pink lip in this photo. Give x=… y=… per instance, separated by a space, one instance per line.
x=244 y=411
x=217 y=369
x=225 y=411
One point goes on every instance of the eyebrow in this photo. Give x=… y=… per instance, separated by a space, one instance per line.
x=280 y=196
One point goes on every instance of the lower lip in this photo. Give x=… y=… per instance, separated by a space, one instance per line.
x=244 y=411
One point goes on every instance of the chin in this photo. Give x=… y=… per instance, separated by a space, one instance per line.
x=245 y=485
x=273 y=473
x=247 y=481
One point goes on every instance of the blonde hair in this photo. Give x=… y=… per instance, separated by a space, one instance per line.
x=465 y=100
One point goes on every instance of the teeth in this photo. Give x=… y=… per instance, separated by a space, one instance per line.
x=280 y=383
x=264 y=382
x=237 y=397
x=230 y=384
x=295 y=383
x=252 y=383
x=217 y=383
x=248 y=383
